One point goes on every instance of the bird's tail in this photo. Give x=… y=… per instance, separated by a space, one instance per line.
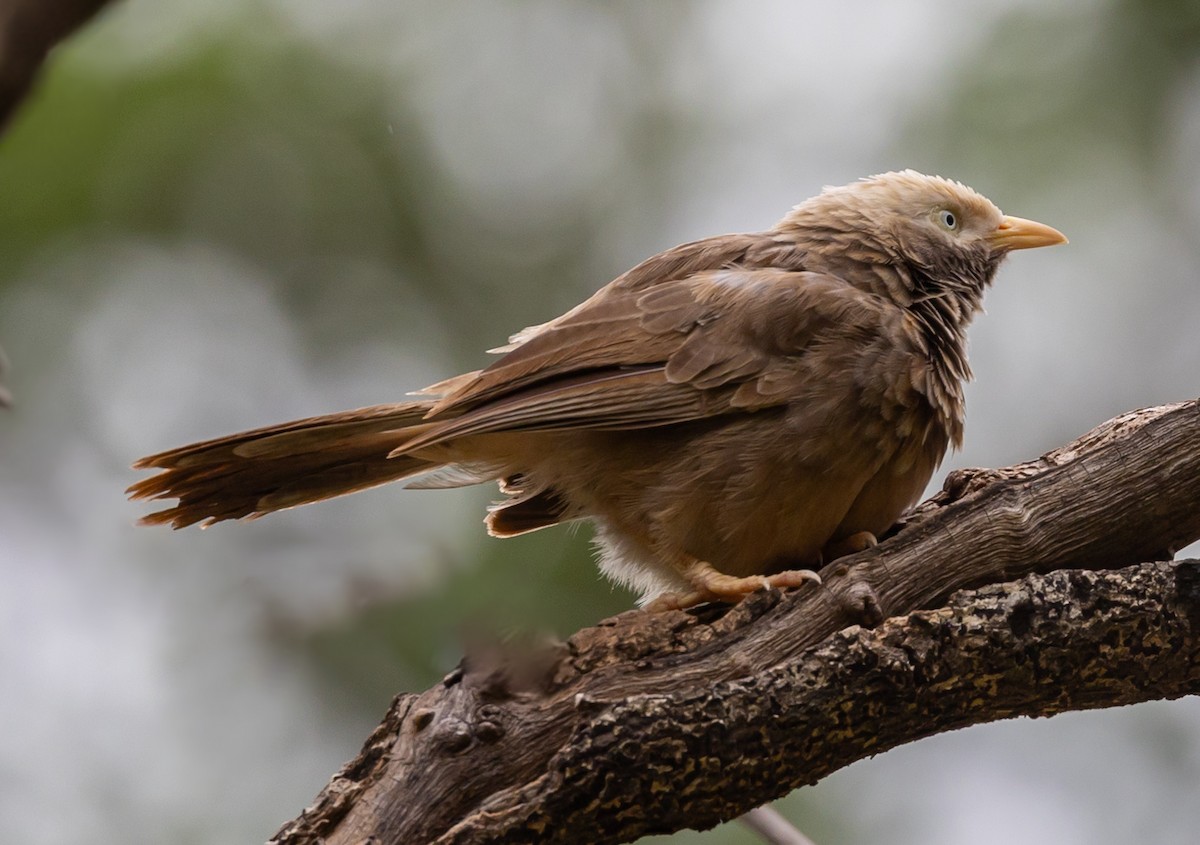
x=281 y=466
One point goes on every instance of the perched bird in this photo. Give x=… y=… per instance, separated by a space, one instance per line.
x=729 y=413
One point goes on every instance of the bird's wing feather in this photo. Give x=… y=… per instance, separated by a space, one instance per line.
x=589 y=334
x=611 y=400
x=713 y=343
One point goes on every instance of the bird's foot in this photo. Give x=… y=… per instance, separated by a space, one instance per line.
x=857 y=542
x=710 y=585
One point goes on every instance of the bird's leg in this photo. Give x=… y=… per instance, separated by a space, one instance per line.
x=857 y=542
x=710 y=585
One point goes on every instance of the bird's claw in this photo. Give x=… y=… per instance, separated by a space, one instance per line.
x=711 y=585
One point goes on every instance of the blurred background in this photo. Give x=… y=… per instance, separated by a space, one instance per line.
x=216 y=216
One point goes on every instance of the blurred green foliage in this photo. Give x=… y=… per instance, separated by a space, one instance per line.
x=539 y=584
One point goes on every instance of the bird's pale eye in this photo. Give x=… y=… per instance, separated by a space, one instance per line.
x=948 y=219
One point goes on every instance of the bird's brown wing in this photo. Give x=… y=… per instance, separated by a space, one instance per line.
x=713 y=343
x=588 y=334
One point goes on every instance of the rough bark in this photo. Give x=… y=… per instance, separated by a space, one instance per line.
x=654 y=722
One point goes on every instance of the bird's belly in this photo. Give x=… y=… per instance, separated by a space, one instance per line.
x=785 y=513
x=748 y=495
x=892 y=490
x=786 y=529
x=751 y=496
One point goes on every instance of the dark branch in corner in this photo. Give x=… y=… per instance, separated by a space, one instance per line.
x=654 y=722
x=29 y=29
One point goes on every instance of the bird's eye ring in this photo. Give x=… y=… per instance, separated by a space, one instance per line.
x=946 y=218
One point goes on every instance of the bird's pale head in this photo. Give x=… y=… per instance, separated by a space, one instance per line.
x=940 y=232
x=929 y=244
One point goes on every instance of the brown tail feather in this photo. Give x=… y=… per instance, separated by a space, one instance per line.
x=255 y=472
x=523 y=515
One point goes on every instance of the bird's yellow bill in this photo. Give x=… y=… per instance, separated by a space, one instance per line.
x=1019 y=233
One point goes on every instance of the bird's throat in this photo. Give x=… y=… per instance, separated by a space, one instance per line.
x=943 y=318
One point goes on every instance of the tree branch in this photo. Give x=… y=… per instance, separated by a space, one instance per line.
x=29 y=29
x=649 y=723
